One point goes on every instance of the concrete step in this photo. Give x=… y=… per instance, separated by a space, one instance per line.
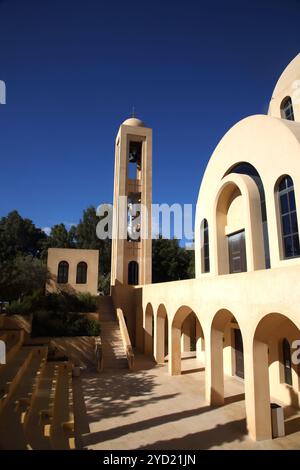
x=114 y=356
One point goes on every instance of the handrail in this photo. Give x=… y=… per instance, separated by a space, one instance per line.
x=125 y=338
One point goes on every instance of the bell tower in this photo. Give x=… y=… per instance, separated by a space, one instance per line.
x=131 y=260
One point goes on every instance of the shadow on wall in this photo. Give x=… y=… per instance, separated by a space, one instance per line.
x=53 y=286
x=292 y=417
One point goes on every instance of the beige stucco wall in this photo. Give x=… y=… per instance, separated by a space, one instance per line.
x=73 y=257
x=287 y=85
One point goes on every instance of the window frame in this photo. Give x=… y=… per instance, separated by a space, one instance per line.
x=81 y=275
x=63 y=272
x=287 y=109
x=133 y=273
x=288 y=217
x=205 y=258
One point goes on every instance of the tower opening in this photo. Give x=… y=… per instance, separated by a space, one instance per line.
x=134 y=160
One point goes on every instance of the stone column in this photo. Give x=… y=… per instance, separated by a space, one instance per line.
x=214 y=374
x=257 y=392
x=159 y=339
x=174 y=351
x=148 y=343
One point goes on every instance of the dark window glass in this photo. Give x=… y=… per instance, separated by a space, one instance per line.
x=292 y=201
x=288 y=214
x=287 y=110
x=205 y=241
x=63 y=272
x=284 y=201
x=81 y=273
x=133 y=273
x=287 y=362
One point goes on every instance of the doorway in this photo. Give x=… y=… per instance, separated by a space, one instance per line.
x=239 y=354
x=237 y=252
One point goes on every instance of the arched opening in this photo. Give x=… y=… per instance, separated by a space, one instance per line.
x=245 y=168
x=290 y=247
x=275 y=375
x=205 y=246
x=133 y=273
x=81 y=273
x=149 y=330
x=186 y=343
x=231 y=224
x=161 y=335
x=63 y=272
x=226 y=358
x=135 y=159
x=287 y=110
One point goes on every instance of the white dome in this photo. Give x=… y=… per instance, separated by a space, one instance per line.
x=134 y=122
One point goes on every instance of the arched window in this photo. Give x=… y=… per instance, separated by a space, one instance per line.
x=288 y=215
x=81 y=273
x=287 y=110
x=205 y=246
x=133 y=273
x=63 y=272
x=287 y=362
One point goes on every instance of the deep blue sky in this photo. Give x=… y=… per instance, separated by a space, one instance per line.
x=73 y=70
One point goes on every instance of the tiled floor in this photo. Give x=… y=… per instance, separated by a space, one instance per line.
x=148 y=409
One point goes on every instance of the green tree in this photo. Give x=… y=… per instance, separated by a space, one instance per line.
x=19 y=236
x=60 y=237
x=86 y=238
x=22 y=276
x=170 y=262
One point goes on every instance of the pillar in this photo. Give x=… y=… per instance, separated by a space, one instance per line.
x=214 y=374
x=174 y=351
x=159 y=339
x=257 y=392
x=148 y=343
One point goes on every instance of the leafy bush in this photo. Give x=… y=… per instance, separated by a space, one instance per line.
x=55 y=324
x=62 y=302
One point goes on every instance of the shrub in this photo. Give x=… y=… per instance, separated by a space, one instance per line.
x=62 y=302
x=88 y=302
x=55 y=324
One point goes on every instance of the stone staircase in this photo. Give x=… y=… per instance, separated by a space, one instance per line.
x=114 y=356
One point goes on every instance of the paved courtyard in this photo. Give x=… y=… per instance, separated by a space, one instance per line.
x=148 y=409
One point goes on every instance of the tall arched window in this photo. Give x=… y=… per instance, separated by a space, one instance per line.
x=288 y=215
x=81 y=273
x=133 y=273
x=63 y=272
x=287 y=362
x=287 y=110
x=205 y=246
